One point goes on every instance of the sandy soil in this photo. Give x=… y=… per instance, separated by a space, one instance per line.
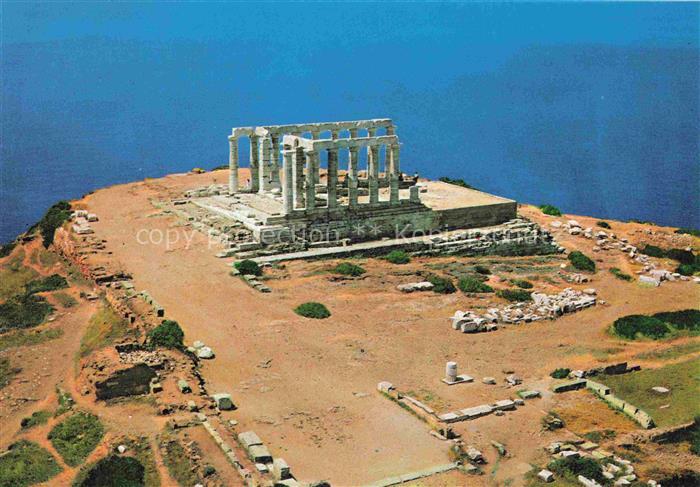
x=315 y=404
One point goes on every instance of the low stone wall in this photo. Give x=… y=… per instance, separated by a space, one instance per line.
x=477 y=216
x=604 y=392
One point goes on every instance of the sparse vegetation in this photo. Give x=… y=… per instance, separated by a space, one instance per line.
x=104 y=328
x=603 y=224
x=248 y=267
x=561 y=373
x=515 y=295
x=456 y=182
x=682 y=379
x=114 y=471
x=54 y=218
x=168 y=334
x=14 y=276
x=398 y=257
x=178 y=463
x=23 y=311
x=469 y=284
x=619 y=274
x=581 y=262
x=312 y=310
x=65 y=300
x=75 y=437
x=6 y=371
x=50 y=283
x=26 y=463
x=657 y=326
x=348 y=269
x=522 y=283
x=600 y=435
x=695 y=437
x=550 y=210
x=20 y=338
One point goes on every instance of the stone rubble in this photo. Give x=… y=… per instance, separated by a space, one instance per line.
x=543 y=306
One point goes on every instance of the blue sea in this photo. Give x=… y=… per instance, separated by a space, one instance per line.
x=592 y=107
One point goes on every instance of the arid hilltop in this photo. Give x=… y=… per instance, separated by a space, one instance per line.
x=338 y=368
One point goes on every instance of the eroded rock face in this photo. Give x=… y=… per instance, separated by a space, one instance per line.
x=133 y=381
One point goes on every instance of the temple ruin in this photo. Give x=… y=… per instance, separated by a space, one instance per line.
x=337 y=183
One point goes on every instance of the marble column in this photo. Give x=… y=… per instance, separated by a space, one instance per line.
x=373 y=174
x=332 y=178
x=254 y=164
x=275 y=167
x=288 y=188
x=392 y=151
x=233 y=166
x=370 y=159
x=265 y=165
x=299 y=163
x=311 y=162
x=316 y=134
x=353 y=165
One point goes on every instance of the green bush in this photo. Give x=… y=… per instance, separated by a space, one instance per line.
x=51 y=283
x=441 y=285
x=581 y=261
x=515 y=295
x=630 y=326
x=482 y=269
x=54 y=218
x=687 y=319
x=681 y=255
x=689 y=231
x=37 y=418
x=76 y=437
x=550 y=210
x=26 y=463
x=115 y=471
x=7 y=248
x=574 y=467
x=168 y=334
x=456 y=182
x=398 y=257
x=248 y=267
x=349 y=269
x=619 y=274
x=522 y=283
x=23 y=311
x=686 y=269
x=312 y=310
x=561 y=373
x=603 y=224
x=653 y=251
x=209 y=470
x=469 y=284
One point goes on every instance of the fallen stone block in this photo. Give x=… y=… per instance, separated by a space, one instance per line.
x=223 y=401
x=248 y=439
x=528 y=394
x=504 y=405
x=569 y=386
x=546 y=476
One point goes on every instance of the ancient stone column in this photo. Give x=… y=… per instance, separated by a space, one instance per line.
x=254 y=164
x=275 y=167
x=288 y=188
x=353 y=166
x=373 y=174
x=393 y=189
x=311 y=162
x=370 y=133
x=451 y=371
x=299 y=163
x=395 y=164
x=233 y=166
x=316 y=134
x=265 y=165
x=413 y=194
x=332 y=178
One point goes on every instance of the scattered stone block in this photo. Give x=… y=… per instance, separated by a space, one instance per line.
x=489 y=380
x=259 y=454
x=223 y=401
x=192 y=406
x=248 y=439
x=184 y=386
x=569 y=386
x=280 y=469
x=660 y=390
x=385 y=387
x=529 y=394
x=504 y=405
x=205 y=353
x=546 y=476
x=588 y=446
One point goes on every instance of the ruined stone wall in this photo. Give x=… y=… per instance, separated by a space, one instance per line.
x=477 y=216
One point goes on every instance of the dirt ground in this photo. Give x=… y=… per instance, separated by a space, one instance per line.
x=307 y=387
